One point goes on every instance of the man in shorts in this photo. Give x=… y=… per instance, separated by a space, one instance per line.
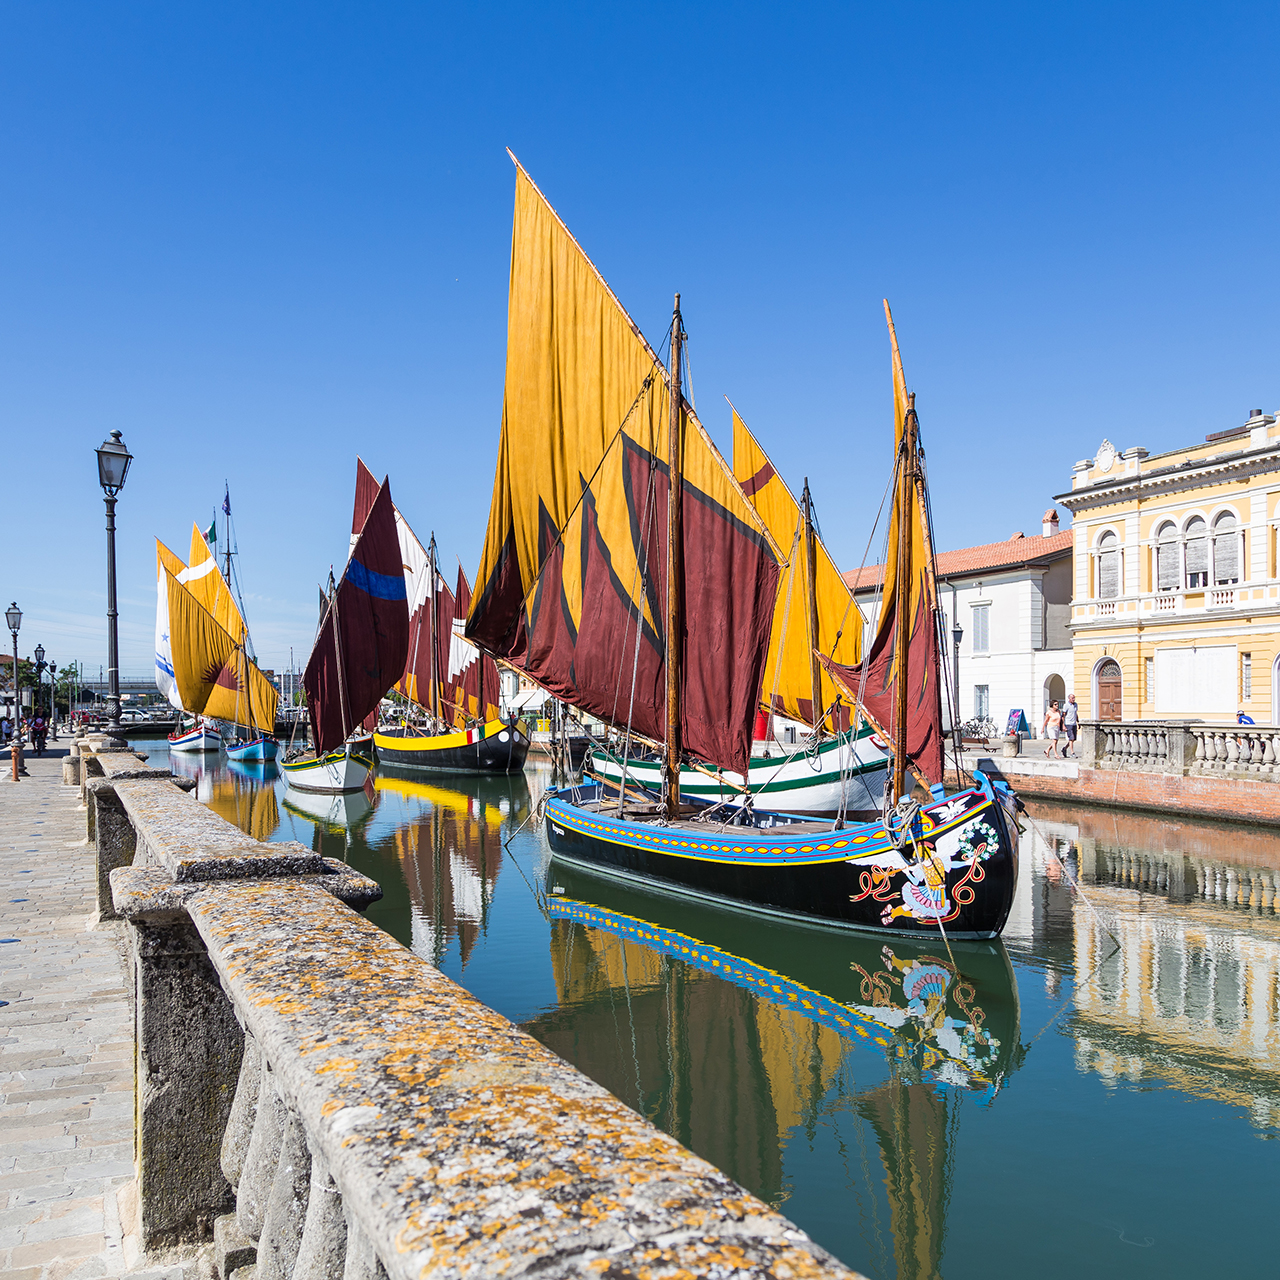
x=1070 y=725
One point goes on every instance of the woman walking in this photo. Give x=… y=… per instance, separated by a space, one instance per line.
x=1052 y=727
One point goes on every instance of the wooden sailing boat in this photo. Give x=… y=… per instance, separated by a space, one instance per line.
x=449 y=682
x=202 y=659
x=832 y=765
x=358 y=655
x=625 y=571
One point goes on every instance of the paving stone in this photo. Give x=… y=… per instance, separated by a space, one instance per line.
x=66 y=1043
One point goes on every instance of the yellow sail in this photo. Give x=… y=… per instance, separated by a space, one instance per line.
x=198 y=647
x=575 y=552
x=788 y=676
x=204 y=580
x=243 y=695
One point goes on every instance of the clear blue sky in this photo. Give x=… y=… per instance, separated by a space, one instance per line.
x=260 y=238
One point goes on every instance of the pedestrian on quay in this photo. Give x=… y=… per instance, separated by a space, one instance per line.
x=1070 y=725
x=1052 y=727
x=38 y=730
x=6 y=730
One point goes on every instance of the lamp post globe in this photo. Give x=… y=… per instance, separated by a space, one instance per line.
x=113 y=466
x=13 y=616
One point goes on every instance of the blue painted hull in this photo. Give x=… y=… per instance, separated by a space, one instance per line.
x=263 y=748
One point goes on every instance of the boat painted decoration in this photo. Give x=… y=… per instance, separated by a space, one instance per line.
x=200 y=737
x=346 y=768
x=573 y=572
x=259 y=748
x=495 y=747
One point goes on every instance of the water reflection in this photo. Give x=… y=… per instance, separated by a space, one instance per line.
x=860 y=1082
x=451 y=854
x=730 y=1032
x=1175 y=944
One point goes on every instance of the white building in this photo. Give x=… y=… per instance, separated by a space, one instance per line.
x=1013 y=602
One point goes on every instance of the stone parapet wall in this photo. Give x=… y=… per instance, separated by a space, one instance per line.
x=1229 y=799
x=322 y=1102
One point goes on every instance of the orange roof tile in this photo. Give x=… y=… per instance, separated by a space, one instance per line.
x=992 y=555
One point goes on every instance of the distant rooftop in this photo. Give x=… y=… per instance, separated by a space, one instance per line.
x=1013 y=551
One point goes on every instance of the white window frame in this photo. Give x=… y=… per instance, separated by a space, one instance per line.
x=982 y=610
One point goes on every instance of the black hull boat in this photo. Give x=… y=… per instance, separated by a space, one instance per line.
x=497 y=747
x=950 y=871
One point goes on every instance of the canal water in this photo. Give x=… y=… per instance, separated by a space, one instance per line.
x=1097 y=1095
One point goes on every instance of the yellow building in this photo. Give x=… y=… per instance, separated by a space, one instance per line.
x=1176 y=601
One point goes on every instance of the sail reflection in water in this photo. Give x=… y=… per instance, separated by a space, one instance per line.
x=451 y=855
x=731 y=1033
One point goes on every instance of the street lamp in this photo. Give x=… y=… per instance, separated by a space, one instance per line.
x=957 y=634
x=113 y=466
x=53 y=700
x=13 y=616
x=39 y=695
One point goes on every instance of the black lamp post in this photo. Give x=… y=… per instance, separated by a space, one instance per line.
x=957 y=634
x=113 y=466
x=13 y=616
x=53 y=701
x=38 y=699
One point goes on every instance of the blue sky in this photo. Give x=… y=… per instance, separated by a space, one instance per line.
x=259 y=239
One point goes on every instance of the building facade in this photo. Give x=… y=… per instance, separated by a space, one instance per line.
x=1176 y=611
x=1012 y=600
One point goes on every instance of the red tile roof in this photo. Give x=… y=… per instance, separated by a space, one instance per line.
x=993 y=555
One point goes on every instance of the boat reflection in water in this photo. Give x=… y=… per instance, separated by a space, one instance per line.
x=451 y=853
x=240 y=791
x=729 y=1032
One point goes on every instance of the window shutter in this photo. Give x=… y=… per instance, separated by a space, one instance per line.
x=1226 y=549
x=1167 y=559
x=1108 y=567
x=981 y=630
x=1197 y=547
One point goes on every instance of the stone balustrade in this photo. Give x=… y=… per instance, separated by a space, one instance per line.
x=1248 y=752
x=322 y=1102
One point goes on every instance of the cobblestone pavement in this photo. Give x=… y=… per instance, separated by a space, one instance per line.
x=66 y=1044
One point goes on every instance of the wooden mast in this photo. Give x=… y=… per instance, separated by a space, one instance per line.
x=811 y=591
x=675 y=571
x=904 y=497
x=435 y=635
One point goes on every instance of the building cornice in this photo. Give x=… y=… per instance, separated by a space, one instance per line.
x=1172 y=479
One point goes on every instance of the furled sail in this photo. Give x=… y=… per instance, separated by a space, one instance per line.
x=788 y=674
x=909 y=594
x=364 y=637
x=574 y=560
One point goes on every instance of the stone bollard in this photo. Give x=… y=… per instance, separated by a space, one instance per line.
x=1011 y=745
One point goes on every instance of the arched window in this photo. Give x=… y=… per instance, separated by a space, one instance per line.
x=1197 y=535
x=1108 y=566
x=1167 y=572
x=1226 y=549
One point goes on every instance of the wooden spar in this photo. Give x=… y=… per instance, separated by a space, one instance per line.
x=675 y=571
x=902 y=623
x=811 y=593
x=435 y=635
x=342 y=678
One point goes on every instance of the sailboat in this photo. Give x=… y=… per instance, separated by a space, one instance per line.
x=625 y=571
x=358 y=655
x=839 y=764
x=446 y=679
x=203 y=664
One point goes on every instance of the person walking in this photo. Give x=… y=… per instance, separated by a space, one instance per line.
x=38 y=730
x=1070 y=725
x=1052 y=727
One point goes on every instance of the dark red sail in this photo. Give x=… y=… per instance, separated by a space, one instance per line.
x=363 y=641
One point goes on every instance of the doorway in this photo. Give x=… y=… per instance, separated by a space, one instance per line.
x=1055 y=690
x=1109 y=690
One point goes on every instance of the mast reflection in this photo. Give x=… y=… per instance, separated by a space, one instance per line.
x=451 y=854
x=730 y=1032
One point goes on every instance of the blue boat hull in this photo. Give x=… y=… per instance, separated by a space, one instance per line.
x=263 y=748
x=954 y=874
